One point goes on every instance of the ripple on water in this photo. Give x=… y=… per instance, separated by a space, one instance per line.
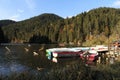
x=12 y=67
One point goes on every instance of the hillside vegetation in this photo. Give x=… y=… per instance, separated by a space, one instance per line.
x=4 y=23
x=94 y=27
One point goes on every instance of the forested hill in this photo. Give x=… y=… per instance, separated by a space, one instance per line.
x=36 y=29
x=94 y=27
x=4 y=23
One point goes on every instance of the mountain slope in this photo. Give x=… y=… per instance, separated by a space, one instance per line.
x=23 y=31
x=91 y=26
x=48 y=28
x=6 y=22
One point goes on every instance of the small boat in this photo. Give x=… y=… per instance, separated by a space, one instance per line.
x=64 y=52
x=88 y=53
x=67 y=53
x=89 y=56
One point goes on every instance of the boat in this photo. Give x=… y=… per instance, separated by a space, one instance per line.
x=63 y=52
x=89 y=56
x=67 y=53
x=85 y=53
x=100 y=48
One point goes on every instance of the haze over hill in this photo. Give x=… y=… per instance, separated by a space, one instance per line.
x=96 y=26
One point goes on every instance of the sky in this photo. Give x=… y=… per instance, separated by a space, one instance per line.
x=19 y=10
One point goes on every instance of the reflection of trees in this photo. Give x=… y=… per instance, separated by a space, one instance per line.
x=4 y=23
x=39 y=39
x=1 y=36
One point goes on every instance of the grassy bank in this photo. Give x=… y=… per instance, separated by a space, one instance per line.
x=74 y=71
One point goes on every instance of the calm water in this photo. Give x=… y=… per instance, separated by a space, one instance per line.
x=17 y=58
x=21 y=57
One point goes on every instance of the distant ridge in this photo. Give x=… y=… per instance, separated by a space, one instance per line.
x=6 y=22
x=51 y=28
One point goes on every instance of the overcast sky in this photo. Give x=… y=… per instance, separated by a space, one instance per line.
x=24 y=9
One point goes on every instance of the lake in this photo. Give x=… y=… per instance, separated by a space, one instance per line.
x=17 y=58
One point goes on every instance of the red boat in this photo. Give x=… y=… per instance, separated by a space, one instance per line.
x=89 y=57
x=67 y=53
x=86 y=55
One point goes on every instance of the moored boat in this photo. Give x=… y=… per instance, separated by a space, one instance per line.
x=88 y=53
x=63 y=52
x=89 y=57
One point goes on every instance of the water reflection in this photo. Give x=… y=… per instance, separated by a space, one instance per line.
x=12 y=67
x=26 y=57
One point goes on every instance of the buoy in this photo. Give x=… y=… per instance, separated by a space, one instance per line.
x=8 y=49
x=41 y=49
x=35 y=53
x=29 y=45
x=26 y=49
x=39 y=68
